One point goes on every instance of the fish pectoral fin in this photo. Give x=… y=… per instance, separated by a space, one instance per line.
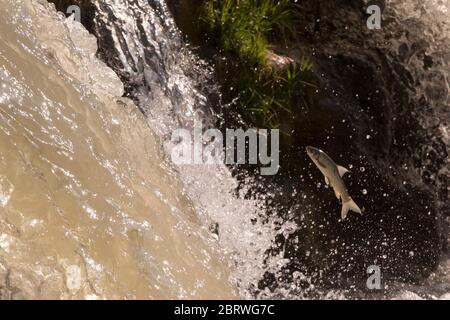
x=327 y=181
x=338 y=196
x=342 y=170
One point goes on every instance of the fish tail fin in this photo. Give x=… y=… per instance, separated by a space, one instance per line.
x=347 y=206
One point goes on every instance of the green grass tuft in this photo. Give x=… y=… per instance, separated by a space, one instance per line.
x=266 y=99
x=243 y=26
x=244 y=29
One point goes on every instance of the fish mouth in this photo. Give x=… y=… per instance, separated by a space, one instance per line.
x=310 y=150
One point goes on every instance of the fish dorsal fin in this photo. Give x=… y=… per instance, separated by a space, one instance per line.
x=342 y=170
x=327 y=181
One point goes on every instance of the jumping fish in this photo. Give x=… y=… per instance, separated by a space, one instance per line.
x=333 y=176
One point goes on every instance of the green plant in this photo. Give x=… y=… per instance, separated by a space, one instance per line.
x=243 y=29
x=243 y=26
x=266 y=99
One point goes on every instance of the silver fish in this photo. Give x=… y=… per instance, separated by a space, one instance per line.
x=333 y=176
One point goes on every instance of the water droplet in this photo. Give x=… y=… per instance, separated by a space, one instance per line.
x=364 y=191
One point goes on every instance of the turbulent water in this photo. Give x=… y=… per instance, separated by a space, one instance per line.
x=90 y=204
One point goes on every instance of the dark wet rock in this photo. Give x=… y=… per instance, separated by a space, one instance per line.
x=277 y=62
x=184 y=12
x=363 y=115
